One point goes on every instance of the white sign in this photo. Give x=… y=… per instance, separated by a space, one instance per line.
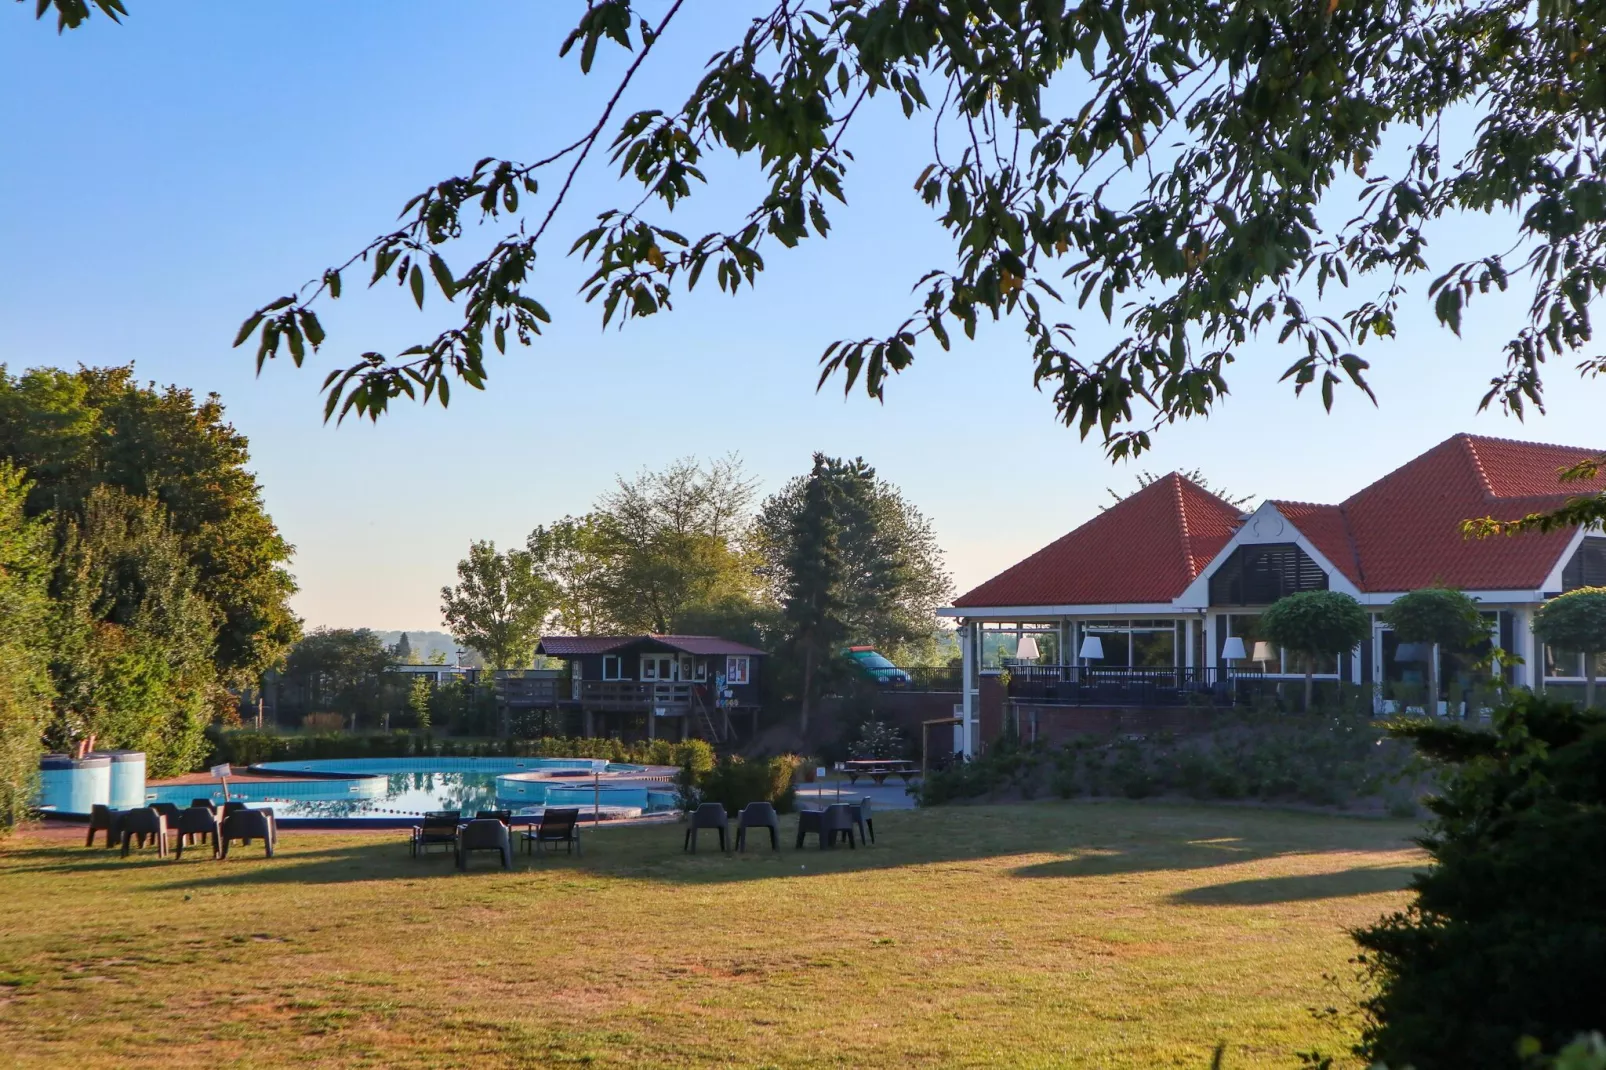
x=819 y=772
x=221 y=771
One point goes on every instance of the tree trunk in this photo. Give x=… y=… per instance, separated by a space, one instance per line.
x=1310 y=689
x=808 y=692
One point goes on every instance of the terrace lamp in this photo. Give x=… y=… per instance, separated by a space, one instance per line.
x=1092 y=648
x=1232 y=650
x=1027 y=650
x=1263 y=654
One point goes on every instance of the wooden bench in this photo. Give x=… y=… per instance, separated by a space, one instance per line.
x=878 y=771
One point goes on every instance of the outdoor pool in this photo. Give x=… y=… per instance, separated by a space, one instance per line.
x=396 y=789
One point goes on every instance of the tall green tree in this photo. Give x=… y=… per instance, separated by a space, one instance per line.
x=1315 y=625
x=26 y=566
x=132 y=645
x=1441 y=617
x=813 y=609
x=1576 y=621
x=893 y=574
x=76 y=431
x=673 y=540
x=498 y=605
x=338 y=670
x=572 y=555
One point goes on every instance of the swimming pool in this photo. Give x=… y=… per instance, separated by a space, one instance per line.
x=379 y=789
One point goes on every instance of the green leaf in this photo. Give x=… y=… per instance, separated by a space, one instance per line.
x=417 y=281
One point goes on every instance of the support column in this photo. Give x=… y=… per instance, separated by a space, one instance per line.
x=1188 y=626
x=1522 y=642
x=652 y=724
x=590 y=725
x=967 y=687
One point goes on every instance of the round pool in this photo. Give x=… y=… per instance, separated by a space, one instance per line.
x=401 y=789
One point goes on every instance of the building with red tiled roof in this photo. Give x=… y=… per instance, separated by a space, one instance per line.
x=1173 y=578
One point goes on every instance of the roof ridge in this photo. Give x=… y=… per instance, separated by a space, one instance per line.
x=1182 y=520
x=1354 y=548
x=1471 y=448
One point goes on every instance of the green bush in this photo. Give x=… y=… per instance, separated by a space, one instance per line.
x=1506 y=938
x=734 y=783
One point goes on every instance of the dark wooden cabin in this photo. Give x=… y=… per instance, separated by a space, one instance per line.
x=681 y=685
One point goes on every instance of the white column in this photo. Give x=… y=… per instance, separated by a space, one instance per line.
x=1210 y=641
x=967 y=687
x=1522 y=644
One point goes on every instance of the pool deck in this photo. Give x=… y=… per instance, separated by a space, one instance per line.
x=882 y=797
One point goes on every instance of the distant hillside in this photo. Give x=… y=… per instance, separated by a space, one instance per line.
x=426 y=643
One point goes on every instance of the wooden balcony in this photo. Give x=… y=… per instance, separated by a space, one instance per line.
x=631 y=696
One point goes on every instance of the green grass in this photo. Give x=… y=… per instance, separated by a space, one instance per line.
x=1108 y=935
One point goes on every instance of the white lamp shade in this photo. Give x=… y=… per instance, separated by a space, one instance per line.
x=1027 y=651
x=1092 y=647
x=1264 y=652
x=1233 y=648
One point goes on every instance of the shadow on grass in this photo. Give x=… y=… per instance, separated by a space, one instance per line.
x=1363 y=880
x=1089 y=840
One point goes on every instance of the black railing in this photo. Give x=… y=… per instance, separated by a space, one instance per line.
x=933 y=678
x=1071 y=685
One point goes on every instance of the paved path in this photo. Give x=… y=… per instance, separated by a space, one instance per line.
x=889 y=796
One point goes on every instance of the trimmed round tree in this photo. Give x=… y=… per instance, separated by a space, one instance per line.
x=1437 y=615
x=1316 y=624
x=1576 y=621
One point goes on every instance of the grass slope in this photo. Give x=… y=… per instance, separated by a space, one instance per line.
x=1047 y=934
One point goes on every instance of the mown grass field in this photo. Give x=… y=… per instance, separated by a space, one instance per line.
x=1047 y=934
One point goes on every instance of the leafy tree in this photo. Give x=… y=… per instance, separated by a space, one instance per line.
x=1192 y=475
x=418 y=700
x=1576 y=621
x=76 y=431
x=812 y=612
x=25 y=686
x=132 y=640
x=1506 y=936
x=402 y=652
x=338 y=669
x=893 y=573
x=1314 y=625
x=672 y=541
x=1438 y=616
x=572 y=555
x=498 y=606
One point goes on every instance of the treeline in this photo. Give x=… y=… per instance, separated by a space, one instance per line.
x=837 y=555
x=140 y=576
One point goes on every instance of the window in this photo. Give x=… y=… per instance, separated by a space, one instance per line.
x=701 y=672
x=612 y=667
x=736 y=670
x=1588 y=566
x=657 y=667
x=1259 y=575
x=1135 y=644
x=1263 y=655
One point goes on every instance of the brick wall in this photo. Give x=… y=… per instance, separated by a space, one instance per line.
x=1060 y=724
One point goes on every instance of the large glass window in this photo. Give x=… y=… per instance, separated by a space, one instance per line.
x=1261 y=653
x=1135 y=644
x=612 y=666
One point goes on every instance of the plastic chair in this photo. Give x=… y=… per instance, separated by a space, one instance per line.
x=438 y=830
x=866 y=824
x=758 y=815
x=102 y=816
x=142 y=823
x=167 y=810
x=193 y=822
x=709 y=815
x=836 y=823
x=484 y=834
x=247 y=825
x=558 y=825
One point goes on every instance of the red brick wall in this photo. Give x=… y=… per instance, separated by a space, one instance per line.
x=991 y=712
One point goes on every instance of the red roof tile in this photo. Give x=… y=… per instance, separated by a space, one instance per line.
x=1146 y=548
x=1328 y=530
x=1406 y=527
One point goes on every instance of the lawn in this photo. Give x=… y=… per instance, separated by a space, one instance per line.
x=1046 y=934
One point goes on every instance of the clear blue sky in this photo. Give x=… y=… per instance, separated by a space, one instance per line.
x=162 y=178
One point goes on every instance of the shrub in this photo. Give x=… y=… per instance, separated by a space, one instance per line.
x=735 y=783
x=323 y=722
x=1507 y=935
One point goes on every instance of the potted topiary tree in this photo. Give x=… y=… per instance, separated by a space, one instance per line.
x=1576 y=621
x=1439 y=617
x=1315 y=624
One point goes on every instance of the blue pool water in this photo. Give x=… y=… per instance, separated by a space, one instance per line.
x=382 y=788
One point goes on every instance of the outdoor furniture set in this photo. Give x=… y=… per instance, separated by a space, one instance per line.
x=831 y=825
x=492 y=830
x=878 y=769
x=166 y=826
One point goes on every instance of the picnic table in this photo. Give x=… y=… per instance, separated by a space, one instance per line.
x=878 y=769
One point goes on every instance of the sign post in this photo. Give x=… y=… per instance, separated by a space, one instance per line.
x=222 y=773
x=596 y=798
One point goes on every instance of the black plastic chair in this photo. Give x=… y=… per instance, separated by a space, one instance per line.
x=438 y=830
x=484 y=834
x=247 y=825
x=834 y=823
x=758 y=815
x=142 y=823
x=503 y=816
x=102 y=816
x=208 y=803
x=710 y=815
x=193 y=822
x=167 y=810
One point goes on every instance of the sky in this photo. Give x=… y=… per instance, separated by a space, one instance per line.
x=161 y=179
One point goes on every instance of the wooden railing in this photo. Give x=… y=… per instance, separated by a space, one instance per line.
x=632 y=695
